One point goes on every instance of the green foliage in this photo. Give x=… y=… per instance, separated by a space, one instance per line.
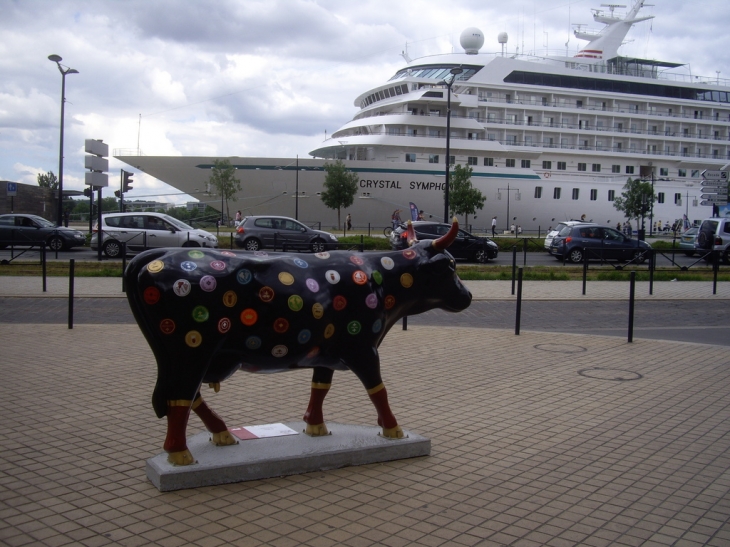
x=48 y=180
x=340 y=187
x=223 y=179
x=370 y=243
x=636 y=199
x=464 y=199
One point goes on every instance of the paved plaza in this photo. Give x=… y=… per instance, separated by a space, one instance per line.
x=537 y=439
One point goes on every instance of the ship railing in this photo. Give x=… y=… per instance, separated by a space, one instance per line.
x=127 y=152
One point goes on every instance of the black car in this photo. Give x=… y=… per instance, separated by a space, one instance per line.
x=599 y=242
x=466 y=245
x=266 y=232
x=18 y=229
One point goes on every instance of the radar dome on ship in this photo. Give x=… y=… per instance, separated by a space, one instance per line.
x=471 y=40
x=502 y=37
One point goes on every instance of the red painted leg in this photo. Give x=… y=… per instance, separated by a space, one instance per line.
x=175 y=443
x=314 y=417
x=386 y=419
x=213 y=423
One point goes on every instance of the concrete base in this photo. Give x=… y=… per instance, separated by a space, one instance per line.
x=280 y=456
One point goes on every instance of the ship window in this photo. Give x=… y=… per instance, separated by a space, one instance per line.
x=576 y=192
x=547 y=165
x=562 y=166
x=582 y=167
x=452 y=160
x=629 y=169
x=695 y=173
x=596 y=168
x=611 y=195
x=509 y=163
x=682 y=173
x=411 y=158
x=538 y=192
x=660 y=197
x=594 y=194
x=471 y=160
x=488 y=162
x=615 y=169
x=434 y=133
x=433 y=158
x=525 y=164
x=556 y=192
x=663 y=172
x=386 y=92
x=398 y=90
x=678 y=199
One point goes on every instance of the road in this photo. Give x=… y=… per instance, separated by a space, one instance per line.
x=704 y=322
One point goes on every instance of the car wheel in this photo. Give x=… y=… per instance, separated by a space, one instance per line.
x=689 y=253
x=726 y=256
x=703 y=239
x=639 y=257
x=191 y=244
x=55 y=243
x=112 y=248
x=318 y=246
x=252 y=244
x=575 y=255
x=481 y=256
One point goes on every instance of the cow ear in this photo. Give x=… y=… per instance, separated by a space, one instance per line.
x=411 y=234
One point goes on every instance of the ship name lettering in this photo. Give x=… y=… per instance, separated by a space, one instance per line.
x=421 y=185
x=380 y=184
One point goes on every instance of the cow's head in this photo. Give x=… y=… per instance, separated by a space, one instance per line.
x=442 y=287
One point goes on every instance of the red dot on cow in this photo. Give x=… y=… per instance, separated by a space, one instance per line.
x=339 y=303
x=389 y=301
x=249 y=317
x=151 y=295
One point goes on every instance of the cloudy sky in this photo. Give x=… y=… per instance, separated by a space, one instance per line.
x=261 y=77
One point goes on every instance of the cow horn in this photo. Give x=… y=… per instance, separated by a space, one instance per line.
x=448 y=238
x=410 y=234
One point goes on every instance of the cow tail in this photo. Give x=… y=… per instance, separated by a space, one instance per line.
x=136 y=303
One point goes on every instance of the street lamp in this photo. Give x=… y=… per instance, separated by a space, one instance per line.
x=508 y=190
x=57 y=59
x=454 y=73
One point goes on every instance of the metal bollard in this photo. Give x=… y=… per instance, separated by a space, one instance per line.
x=405 y=322
x=632 y=293
x=585 y=269
x=519 y=302
x=514 y=266
x=71 y=265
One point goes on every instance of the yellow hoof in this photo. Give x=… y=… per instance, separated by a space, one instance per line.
x=393 y=432
x=224 y=438
x=318 y=430
x=184 y=457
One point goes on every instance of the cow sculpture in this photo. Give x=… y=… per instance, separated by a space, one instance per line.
x=208 y=313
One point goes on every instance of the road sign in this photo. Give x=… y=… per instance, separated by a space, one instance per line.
x=713 y=198
x=713 y=202
x=714 y=187
x=12 y=189
x=714 y=175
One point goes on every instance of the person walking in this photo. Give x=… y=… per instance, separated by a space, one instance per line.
x=348 y=220
x=494 y=226
x=395 y=218
x=238 y=218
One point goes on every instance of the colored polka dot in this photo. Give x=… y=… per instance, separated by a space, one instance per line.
x=410 y=254
x=377 y=326
x=301 y=263
x=295 y=302
x=406 y=280
x=324 y=256
x=196 y=254
x=208 y=283
x=167 y=326
x=200 y=314
x=332 y=277
x=253 y=342
x=151 y=295
x=304 y=336
x=224 y=325
x=329 y=331
x=387 y=262
x=339 y=303
x=378 y=277
x=357 y=260
x=249 y=317
x=155 y=266
x=389 y=301
x=181 y=287
x=226 y=253
x=218 y=265
x=193 y=339
x=188 y=266
x=313 y=352
x=281 y=325
x=360 y=277
x=371 y=301
x=285 y=278
x=244 y=276
x=354 y=327
x=317 y=310
x=279 y=351
x=266 y=294
x=312 y=285
x=229 y=299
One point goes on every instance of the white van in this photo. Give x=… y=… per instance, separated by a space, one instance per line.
x=140 y=231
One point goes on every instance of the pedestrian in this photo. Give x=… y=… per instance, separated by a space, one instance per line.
x=512 y=229
x=494 y=226
x=348 y=220
x=618 y=226
x=395 y=218
x=238 y=218
x=420 y=215
x=66 y=215
x=519 y=230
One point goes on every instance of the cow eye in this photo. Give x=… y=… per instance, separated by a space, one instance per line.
x=452 y=265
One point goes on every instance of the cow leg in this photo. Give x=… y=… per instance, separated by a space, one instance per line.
x=178 y=411
x=213 y=423
x=314 y=417
x=386 y=419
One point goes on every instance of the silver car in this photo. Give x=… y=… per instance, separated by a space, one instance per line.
x=141 y=231
x=260 y=232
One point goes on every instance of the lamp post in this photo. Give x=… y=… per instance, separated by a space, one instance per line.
x=454 y=73
x=57 y=59
x=508 y=190
x=296 y=195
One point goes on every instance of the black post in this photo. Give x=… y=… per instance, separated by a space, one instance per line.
x=124 y=265
x=652 y=265
x=144 y=239
x=514 y=266
x=405 y=322
x=524 y=252
x=71 y=293
x=231 y=239
x=362 y=243
x=585 y=269
x=43 y=261
x=56 y=249
x=715 y=269
x=632 y=292
x=519 y=302
x=275 y=240
x=368 y=229
x=99 y=225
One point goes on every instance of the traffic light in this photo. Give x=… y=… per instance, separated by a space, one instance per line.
x=127 y=181
x=117 y=193
x=88 y=191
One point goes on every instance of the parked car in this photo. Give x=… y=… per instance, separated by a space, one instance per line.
x=466 y=246
x=261 y=232
x=687 y=241
x=141 y=231
x=714 y=235
x=19 y=229
x=600 y=242
x=552 y=233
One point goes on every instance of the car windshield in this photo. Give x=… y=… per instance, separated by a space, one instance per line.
x=564 y=231
x=43 y=223
x=177 y=223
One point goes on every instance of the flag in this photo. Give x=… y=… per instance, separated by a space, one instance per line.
x=414 y=211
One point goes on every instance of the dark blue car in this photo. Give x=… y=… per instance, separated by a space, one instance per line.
x=599 y=243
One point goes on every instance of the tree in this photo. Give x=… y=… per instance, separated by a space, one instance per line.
x=340 y=187
x=636 y=199
x=223 y=178
x=48 y=180
x=464 y=199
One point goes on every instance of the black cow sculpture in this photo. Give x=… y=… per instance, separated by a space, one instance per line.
x=208 y=313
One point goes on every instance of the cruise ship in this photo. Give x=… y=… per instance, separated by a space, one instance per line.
x=548 y=138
